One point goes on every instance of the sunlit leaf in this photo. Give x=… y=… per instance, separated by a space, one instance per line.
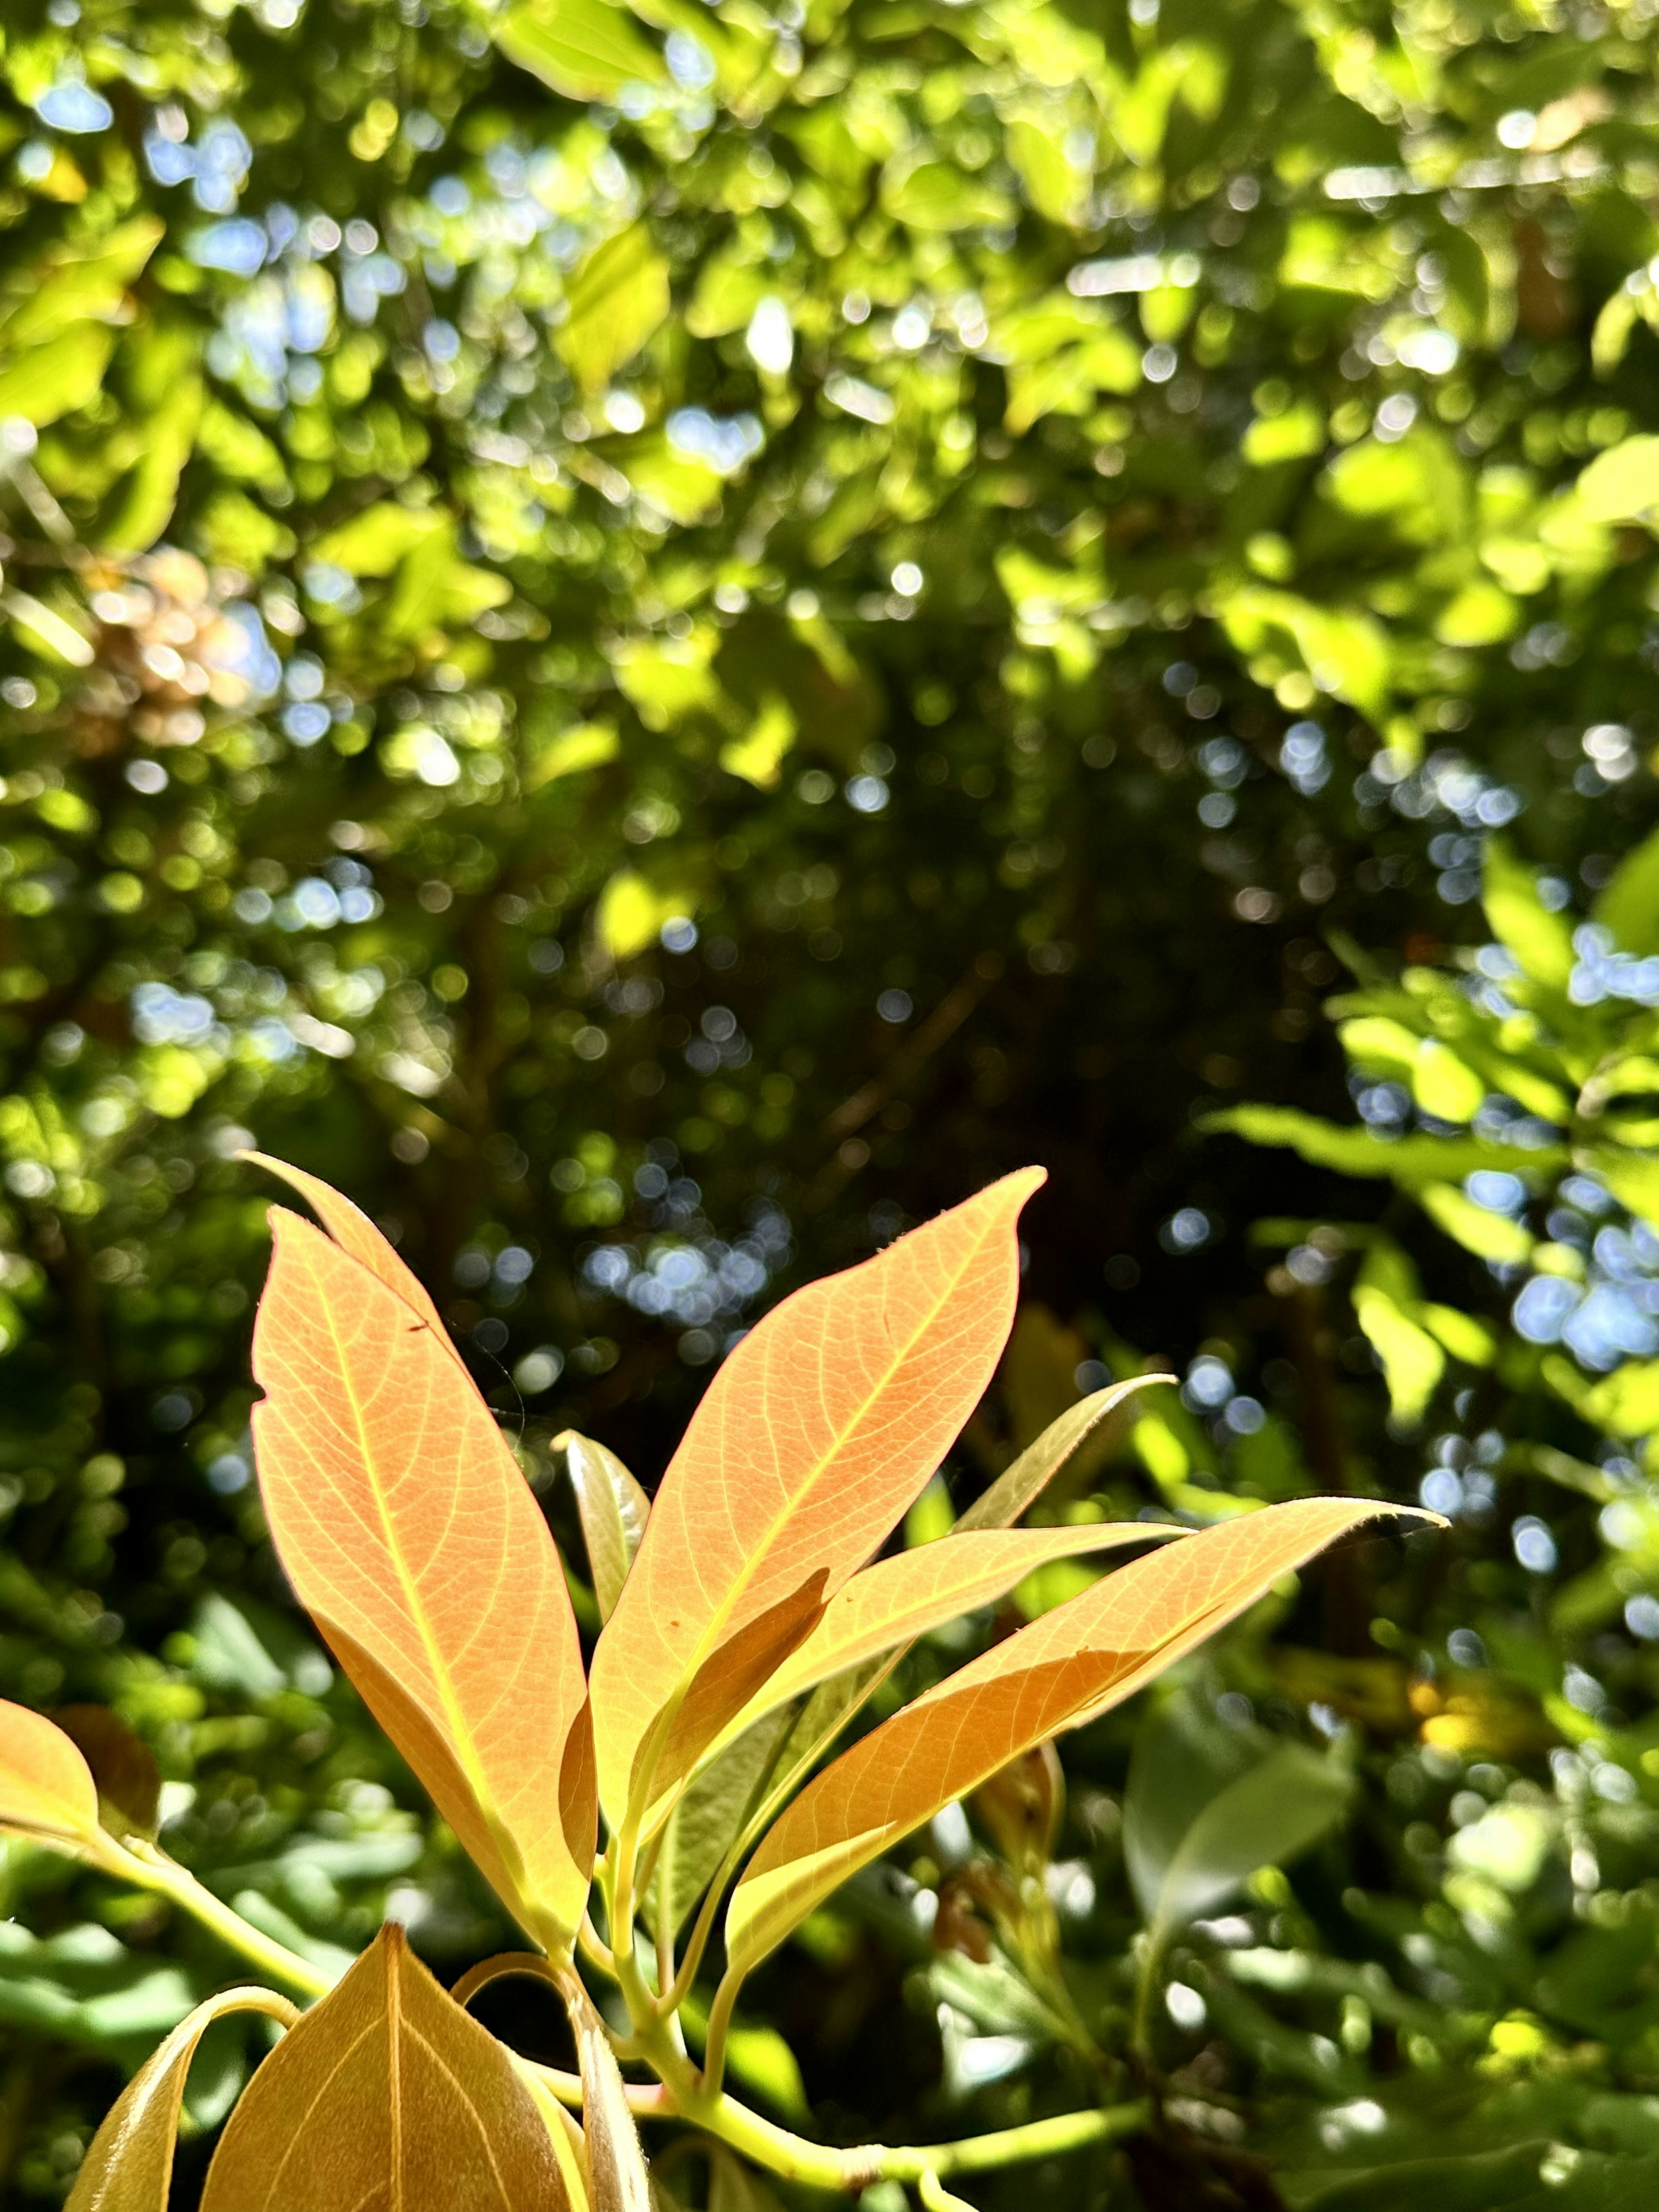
x=899 y=1599
x=585 y=48
x=1540 y=941
x=617 y=299
x=614 y=1512
x=1629 y=906
x=128 y=2166
x=45 y=1785
x=386 y=2092
x=1019 y=1486
x=1066 y=1667
x=406 y=1528
x=818 y=1431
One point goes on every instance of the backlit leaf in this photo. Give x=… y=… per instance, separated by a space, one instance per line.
x=1020 y=1486
x=386 y=2092
x=585 y=48
x=820 y=1428
x=45 y=1785
x=617 y=299
x=1629 y=907
x=614 y=1511
x=717 y=1805
x=1066 y=1669
x=129 y=2164
x=616 y=2165
x=902 y=1598
x=354 y=1232
x=406 y=1528
x=1540 y=941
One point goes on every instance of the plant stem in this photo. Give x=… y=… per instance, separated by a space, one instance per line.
x=817 y=2165
x=146 y=1868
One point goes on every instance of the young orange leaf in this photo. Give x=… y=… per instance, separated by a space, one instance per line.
x=354 y=1232
x=386 y=2094
x=128 y=2166
x=818 y=1432
x=1064 y=1669
x=902 y=1598
x=614 y=1512
x=406 y=1527
x=45 y=1785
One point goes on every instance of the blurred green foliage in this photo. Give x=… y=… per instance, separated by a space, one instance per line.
x=659 y=637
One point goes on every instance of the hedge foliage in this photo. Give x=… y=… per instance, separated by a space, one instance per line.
x=658 y=637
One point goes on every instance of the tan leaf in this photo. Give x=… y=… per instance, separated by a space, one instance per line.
x=45 y=1785
x=385 y=2094
x=1062 y=1670
x=817 y=1433
x=129 y=2164
x=406 y=1528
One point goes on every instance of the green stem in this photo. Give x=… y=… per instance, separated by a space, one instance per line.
x=146 y=1868
x=819 y=2166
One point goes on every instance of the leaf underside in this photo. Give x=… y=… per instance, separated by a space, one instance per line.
x=813 y=1438
x=407 y=1529
x=1066 y=1667
x=385 y=2096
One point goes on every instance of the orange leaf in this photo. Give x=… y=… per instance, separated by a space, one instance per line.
x=407 y=1528
x=819 y=1430
x=354 y=1232
x=1064 y=1669
x=386 y=2094
x=45 y=1785
x=902 y=1598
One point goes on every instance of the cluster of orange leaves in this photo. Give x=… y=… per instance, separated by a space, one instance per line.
x=406 y=1527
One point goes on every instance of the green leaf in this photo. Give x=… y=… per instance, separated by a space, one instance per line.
x=57 y=378
x=614 y=1512
x=1387 y=1308
x=1622 y=484
x=373 y=543
x=85 y=282
x=584 y=49
x=1206 y=1805
x=1629 y=906
x=1410 y=1161
x=1488 y=1235
x=616 y=300
x=1540 y=941
x=932 y=195
x=711 y=1815
x=1018 y=1487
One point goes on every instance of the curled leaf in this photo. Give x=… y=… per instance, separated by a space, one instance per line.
x=614 y=1512
x=129 y=2164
